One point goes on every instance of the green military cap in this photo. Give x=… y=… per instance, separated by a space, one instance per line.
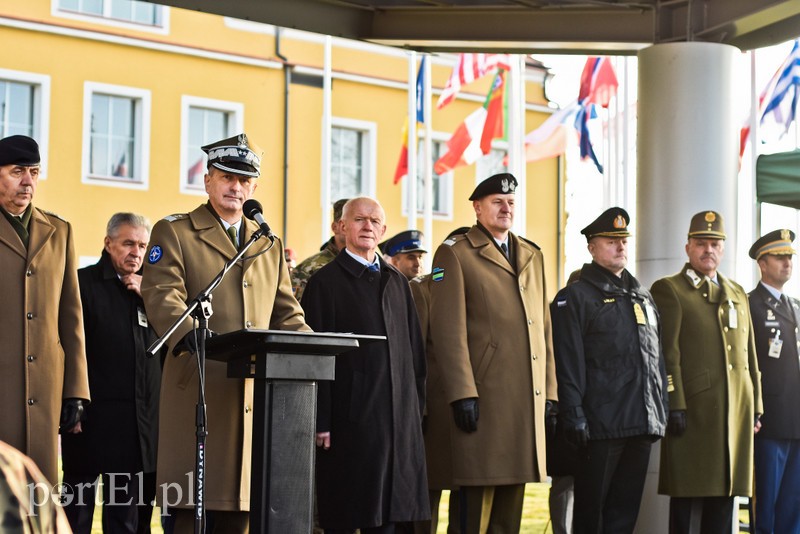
x=503 y=184
x=707 y=224
x=611 y=223
x=235 y=154
x=19 y=150
x=777 y=242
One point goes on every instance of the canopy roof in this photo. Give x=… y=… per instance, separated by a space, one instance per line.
x=544 y=26
x=778 y=179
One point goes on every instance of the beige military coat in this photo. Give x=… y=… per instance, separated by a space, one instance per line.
x=186 y=252
x=712 y=373
x=43 y=359
x=489 y=329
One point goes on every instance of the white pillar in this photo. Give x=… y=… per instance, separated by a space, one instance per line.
x=687 y=162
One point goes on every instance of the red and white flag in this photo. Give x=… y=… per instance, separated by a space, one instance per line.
x=469 y=68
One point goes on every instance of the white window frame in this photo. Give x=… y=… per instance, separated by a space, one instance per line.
x=235 y=125
x=369 y=150
x=141 y=135
x=496 y=145
x=106 y=19
x=447 y=214
x=41 y=110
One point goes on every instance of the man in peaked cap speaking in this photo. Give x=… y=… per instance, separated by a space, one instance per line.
x=485 y=284
x=186 y=251
x=776 y=318
x=713 y=384
x=43 y=381
x=611 y=379
x=404 y=251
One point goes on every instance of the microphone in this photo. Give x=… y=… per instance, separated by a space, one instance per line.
x=253 y=211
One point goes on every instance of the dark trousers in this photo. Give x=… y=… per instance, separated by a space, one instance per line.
x=127 y=507
x=389 y=528
x=491 y=509
x=181 y=521
x=609 y=485
x=777 y=465
x=701 y=515
x=432 y=526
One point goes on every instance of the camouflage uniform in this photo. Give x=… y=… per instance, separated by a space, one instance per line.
x=310 y=265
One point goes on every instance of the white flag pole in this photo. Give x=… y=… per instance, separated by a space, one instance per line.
x=326 y=141
x=411 y=177
x=428 y=159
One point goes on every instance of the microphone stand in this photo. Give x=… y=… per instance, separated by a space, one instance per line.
x=200 y=309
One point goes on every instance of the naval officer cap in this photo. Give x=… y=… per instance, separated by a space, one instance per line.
x=707 y=225
x=777 y=242
x=235 y=154
x=502 y=184
x=611 y=223
x=407 y=241
x=19 y=150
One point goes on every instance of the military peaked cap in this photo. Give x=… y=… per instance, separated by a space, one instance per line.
x=407 y=241
x=503 y=183
x=611 y=223
x=235 y=154
x=19 y=150
x=777 y=242
x=707 y=224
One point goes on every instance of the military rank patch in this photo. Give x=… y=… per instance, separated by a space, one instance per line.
x=437 y=275
x=561 y=303
x=176 y=217
x=670 y=384
x=155 y=254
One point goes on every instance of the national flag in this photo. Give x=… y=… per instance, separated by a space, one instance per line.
x=402 y=163
x=552 y=137
x=598 y=82
x=121 y=169
x=773 y=102
x=585 y=113
x=467 y=143
x=469 y=68
x=195 y=173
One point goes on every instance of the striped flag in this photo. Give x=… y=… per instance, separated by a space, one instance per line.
x=774 y=102
x=469 y=68
x=472 y=139
x=553 y=136
x=598 y=82
x=402 y=163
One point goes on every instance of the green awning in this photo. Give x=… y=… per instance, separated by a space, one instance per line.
x=778 y=179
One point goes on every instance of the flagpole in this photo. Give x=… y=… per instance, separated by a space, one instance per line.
x=411 y=177
x=326 y=141
x=428 y=159
x=516 y=152
x=754 y=124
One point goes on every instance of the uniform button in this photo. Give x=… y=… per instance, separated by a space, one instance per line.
x=746 y=368
x=30 y=315
x=705 y=295
x=730 y=367
x=245 y=284
x=530 y=321
x=533 y=356
x=522 y=288
x=725 y=329
x=537 y=392
x=31 y=402
x=729 y=347
x=248 y=324
x=29 y=272
x=31 y=357
x=246 y=408
x=772 y=330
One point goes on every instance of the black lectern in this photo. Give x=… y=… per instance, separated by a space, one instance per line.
x=285 y=366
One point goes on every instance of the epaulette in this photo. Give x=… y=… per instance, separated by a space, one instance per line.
x=454 y=239
x=176 y=217
x=537 y=247
x=51 y=214
x=419 y=279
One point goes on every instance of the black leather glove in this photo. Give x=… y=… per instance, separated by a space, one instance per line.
x=676 y=425
x=465 y=413
x=576 y=432
x=550 y=417
x=189 y=342
x=71 y=414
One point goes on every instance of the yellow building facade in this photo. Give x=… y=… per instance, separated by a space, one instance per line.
x=121 y=94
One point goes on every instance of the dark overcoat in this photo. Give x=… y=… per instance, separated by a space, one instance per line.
x=120 y=429
x=780 y=376
x=42 y=359
x=490 y=329
x=712 y=373
x=374 y=472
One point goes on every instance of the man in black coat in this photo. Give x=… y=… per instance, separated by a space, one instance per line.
x=611 y=379
x=371 y=460
x=120 y=427
x=776 y=318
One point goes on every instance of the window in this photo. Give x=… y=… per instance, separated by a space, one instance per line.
x=442 y=183
x=125 y=13
x=490 y=164
x=204 y=121
x=116 y=134
x=352 y=158
x=24 y=108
